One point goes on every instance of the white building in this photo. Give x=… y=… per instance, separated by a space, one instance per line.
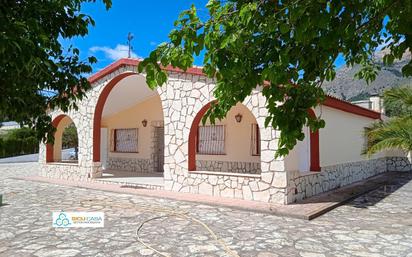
x=124 y=126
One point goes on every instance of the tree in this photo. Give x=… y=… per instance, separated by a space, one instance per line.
x=36 y=73
x=398 y=101
x=70 y=138
x=289 y=46
x=18 y=141
x=395 y=133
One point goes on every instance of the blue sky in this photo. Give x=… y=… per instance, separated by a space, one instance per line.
x=149 y=21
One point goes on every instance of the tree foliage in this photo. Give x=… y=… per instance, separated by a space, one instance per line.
x=69 y=137
x=290 y=46
x=398 y=101
x=18 y=141
x=36 y=73
x=395 y=133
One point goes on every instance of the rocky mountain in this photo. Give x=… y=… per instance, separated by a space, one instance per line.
x=347 y=87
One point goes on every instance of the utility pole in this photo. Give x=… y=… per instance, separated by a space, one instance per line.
x=129 y=43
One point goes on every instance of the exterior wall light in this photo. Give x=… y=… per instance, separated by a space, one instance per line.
x=238 y=117
x=144 y=123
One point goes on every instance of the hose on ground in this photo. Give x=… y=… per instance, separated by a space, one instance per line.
x=169 y=212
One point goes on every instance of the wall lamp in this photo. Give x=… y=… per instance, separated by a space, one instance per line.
x=238 y=117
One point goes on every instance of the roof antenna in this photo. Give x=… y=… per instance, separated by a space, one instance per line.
x=129 y=43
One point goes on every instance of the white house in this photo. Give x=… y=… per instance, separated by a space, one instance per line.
x=125 y=126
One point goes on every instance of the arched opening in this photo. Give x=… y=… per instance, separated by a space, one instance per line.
x=128 y=133
x=305 y=156
x=65 y=146
x=231 y=145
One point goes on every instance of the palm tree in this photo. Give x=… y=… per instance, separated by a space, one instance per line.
x=396 y=132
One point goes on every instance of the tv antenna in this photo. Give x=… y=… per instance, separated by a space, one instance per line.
x=129 y=43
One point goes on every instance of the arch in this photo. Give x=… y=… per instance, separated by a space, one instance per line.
x=50 y=155
x=231 y=155
x=192 y=136
x=97 y=120
x=314 y=147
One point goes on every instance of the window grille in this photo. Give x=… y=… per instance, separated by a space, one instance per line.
x=125 y=140
x=211 y=140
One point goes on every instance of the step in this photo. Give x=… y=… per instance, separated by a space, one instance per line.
x=126 y=184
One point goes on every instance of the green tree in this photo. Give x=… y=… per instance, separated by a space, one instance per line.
x=18 y=141
x=33 y=60
x=398 y=101
x=396 y=132
x=290 y=46
x=70 y=138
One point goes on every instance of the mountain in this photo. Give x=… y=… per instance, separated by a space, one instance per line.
x=346 y=87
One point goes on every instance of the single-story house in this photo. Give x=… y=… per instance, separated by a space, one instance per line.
x=125 y=126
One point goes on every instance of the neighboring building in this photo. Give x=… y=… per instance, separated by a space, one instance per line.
x=124 y=125
x=374 y=103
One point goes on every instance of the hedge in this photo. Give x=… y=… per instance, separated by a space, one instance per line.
x=18 y=142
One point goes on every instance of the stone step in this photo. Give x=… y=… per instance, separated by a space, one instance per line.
x=126 y=184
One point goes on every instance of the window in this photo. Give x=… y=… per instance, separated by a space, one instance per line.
x=211 y=140
x=255 y=140
x=124 y=140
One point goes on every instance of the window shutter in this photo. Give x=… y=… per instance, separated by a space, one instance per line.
x=255 y=140
x=125 y=140
x=112 y=140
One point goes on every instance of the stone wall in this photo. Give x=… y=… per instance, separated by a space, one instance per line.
x=398 y=164
x=304 y=185
x=130 y=164
x=68 y=171
x=183 y=97
x=233 y=167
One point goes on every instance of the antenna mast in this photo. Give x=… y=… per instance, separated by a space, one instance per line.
x=129 y=43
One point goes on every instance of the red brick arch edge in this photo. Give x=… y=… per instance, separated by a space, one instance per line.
x=192 y=137
x=49 y=147
x=314 y=147
x=97 y=120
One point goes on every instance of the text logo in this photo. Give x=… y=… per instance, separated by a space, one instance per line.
x=78 y=219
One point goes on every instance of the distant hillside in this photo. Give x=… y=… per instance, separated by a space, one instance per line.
x=346 y=87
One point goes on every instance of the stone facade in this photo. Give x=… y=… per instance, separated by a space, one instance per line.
x=182 y=97
x=131 y=164
x=398 y=164
x=304 y=185
x=232 y=167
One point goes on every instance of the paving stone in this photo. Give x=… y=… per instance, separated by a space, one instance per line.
x=376 y=224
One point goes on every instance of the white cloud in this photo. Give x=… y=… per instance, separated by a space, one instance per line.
x=120 y=51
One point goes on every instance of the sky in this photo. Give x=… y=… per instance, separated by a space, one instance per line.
x=149 y=21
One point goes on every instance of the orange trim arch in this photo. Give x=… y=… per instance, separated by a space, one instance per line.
x=49 y=146
x=314 y=147
x=97 y=120
x=193 y=136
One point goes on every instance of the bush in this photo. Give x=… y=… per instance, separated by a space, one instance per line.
x=17 y=142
